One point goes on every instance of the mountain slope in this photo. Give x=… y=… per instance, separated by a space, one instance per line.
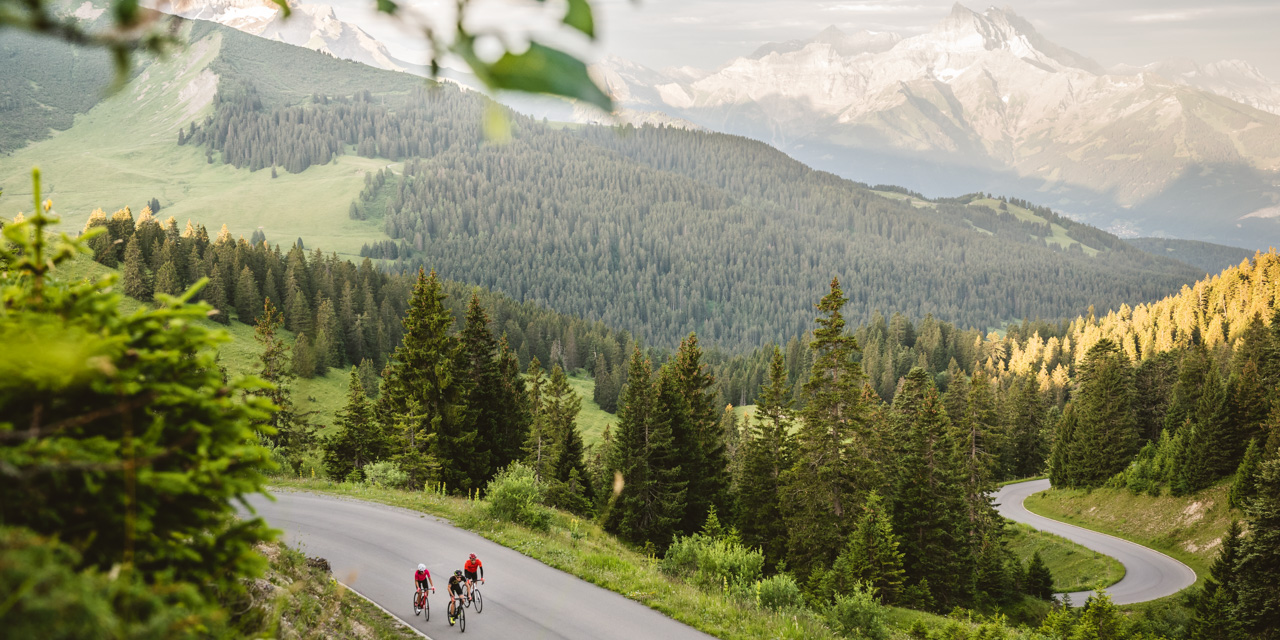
x=984 y=101
x=656 y=230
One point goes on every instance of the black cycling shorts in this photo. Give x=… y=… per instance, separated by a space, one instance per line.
x=422 y=584
x=470 y=575
x=456 y=588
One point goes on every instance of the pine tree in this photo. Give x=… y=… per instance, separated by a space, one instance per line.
x=512 y=423
x=368 y=378
x=1214 y=607
x=1244 y=487
x=137 y=280
x=651 y=500
x=1258 y=600
x=871 y=555
x=329 y=335
x=768 y=454
x=605 y=394
x=479 y=351
x=1062 y=468
x=303 y=360
x=423 y=391
x=357 y=439
x=1039 y=580
x=568 y=488
x=248 y=300
x=167 y=281
x=1024 y=416
x=216 y=295
x=696 y=433
x=1106 y=435
x=832 y=470
x=292 y=434
x=539 y=445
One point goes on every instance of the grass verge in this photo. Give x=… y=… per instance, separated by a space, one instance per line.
x=311 y=604
x=1188 y=528
x=1074 y=567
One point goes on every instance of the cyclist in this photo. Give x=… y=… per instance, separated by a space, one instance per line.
x=469 y=570
x=455 y=595
x=422 y=578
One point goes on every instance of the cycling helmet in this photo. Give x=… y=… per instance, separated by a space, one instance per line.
x=422 y=567
x=457 y=572
x=473 y=556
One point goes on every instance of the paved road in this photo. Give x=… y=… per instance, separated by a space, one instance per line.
x=374 y=549
x=1148 y=574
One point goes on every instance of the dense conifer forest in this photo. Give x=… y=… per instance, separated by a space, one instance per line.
x=687 y=231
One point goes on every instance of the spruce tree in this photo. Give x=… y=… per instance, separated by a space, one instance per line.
x=650 y=502
x=1106 y=435
x=832 y=471
x=539 y=445
x=768 y=454
x=930 y=510
x=1214 y=606
x=329 y=336
x=291 y=432
x=479 y=351
x=512 y=424
x=698 y=438
x=568 y=487
x=1039 y=582
x=1244 y=487
x=369 y=378
x=303 y=360
x=1258 y=600
x=870 y=556
x=1024 y=418
x=248 y=300
x=137 y=280
x=357 y=439
x=424 y=390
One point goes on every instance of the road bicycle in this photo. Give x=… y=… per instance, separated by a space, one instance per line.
x=421 y=603
x=459 y=609
x=475 y=597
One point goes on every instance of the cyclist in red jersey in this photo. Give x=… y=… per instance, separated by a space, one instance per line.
x=422 y=578
x=471 y=569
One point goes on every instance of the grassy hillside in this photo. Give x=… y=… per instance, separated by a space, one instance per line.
x=1189 y=528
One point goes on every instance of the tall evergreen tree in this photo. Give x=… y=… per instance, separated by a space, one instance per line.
x=871 y=555
x=357 y=439
x=569 y=488
x=697 y=436
x=423 y=389
x=832 y=471
x=539 y=445
x=511 y=427
x=137 y=280
x=479 y=352
x=768 y=454
x=1258 y=600
x=248 y=300
x=1024 y=416
x=292 y=434
x=1214 y=606
x=1105 y=436
x=930 y=509
x=650 y=502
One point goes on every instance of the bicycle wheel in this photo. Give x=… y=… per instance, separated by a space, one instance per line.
x=426 y=605
x=417 y=607
x=462 y=619
x=475 y=594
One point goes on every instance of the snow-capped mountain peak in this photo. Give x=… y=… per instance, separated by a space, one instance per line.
x=314 y=26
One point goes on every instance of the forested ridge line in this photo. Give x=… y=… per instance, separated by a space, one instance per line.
x=687 y=231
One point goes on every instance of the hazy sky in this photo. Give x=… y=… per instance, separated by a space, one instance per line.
x=708 y=33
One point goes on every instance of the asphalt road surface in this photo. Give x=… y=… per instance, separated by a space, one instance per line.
x=1148 y=574
x=374 y=549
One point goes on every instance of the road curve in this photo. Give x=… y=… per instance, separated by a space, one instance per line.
x=374 y=550
x=1148 y=574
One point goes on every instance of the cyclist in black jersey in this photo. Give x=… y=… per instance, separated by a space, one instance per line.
x=456 y=583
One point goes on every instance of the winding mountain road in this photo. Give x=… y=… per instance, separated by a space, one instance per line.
x=374 y=549
x=1148 y=574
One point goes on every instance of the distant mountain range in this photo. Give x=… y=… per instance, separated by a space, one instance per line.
x=313 y=26
x=983 y=101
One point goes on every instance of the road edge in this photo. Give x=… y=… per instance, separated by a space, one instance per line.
x=1180 y=563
